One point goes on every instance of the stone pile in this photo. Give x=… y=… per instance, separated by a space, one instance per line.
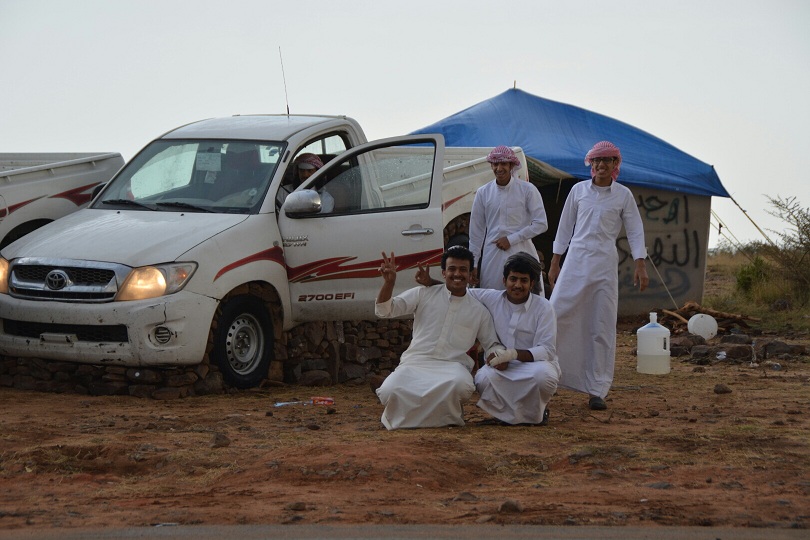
x=735 y=349
x=313 y=354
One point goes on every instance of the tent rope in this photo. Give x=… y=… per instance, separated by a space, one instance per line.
x=674 y=303
x=731 y=237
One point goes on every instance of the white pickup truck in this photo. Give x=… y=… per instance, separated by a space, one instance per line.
x=36 y=189
x=187 y=251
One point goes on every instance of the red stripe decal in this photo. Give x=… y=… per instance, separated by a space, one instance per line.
x=273 y=254
x=449 y=203
x=75 y=195
x=336 y=267
x=14 y=207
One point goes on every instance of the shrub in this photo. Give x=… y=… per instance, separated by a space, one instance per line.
x=791 y=257
x=752 y=274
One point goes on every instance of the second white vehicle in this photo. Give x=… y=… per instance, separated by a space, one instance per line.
x=37 y=188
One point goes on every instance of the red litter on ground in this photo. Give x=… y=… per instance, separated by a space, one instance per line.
x=315 y=400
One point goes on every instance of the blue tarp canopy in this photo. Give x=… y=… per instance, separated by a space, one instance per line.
x=560 y=135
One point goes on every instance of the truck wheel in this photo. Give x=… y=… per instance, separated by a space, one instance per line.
x=243 y=342
x=21 y=230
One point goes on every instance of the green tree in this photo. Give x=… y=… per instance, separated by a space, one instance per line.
x=791 y=255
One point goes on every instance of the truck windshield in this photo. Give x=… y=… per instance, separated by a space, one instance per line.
x=209 y=176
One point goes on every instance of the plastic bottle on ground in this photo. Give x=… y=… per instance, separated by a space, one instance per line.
x=653 y=348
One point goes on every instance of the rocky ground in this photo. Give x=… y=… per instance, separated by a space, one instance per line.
x=721 y=441
x=719 y=444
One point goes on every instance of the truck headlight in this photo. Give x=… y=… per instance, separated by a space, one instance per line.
x=3 y=276
x=153 y=281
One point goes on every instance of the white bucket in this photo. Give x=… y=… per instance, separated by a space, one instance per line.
x=653 y=348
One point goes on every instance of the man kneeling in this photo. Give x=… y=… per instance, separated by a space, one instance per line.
x=433 y=381
x=516 y=386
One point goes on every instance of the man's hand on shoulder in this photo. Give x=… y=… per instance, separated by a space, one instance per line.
x=422 y=276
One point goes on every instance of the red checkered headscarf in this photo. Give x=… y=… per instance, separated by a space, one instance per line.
x=605 y=149
x=503 y=154
x=312 y=160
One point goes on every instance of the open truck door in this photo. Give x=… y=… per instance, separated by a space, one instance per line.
x=385 y=195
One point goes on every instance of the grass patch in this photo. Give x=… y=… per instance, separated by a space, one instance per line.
x=746 y=285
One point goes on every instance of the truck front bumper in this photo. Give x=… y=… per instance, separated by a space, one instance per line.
x=166 y=331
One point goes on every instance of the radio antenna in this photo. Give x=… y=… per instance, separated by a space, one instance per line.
x=286 y=98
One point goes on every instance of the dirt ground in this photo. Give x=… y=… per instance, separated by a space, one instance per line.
x=668 y=451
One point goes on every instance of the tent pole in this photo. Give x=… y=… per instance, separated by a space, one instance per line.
x=752 y=221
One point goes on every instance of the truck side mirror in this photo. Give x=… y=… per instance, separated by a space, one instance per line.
x=306 y=202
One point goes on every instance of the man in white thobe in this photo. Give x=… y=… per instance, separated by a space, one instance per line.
x=517 y=390
x=585 y=293
x=432 y=381
x=506 y=214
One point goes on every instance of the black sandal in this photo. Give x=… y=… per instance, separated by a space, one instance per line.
x=597 y=404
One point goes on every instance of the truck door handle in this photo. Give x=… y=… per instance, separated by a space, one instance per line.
x=414 y=232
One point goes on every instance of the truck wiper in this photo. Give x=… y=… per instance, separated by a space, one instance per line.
x=180 y=204
x=127 y=202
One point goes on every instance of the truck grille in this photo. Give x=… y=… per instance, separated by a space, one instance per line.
x=86 y=276
x=65 y=280
x=84 y=332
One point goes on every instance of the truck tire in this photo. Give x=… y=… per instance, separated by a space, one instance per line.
x=21 y=230
x=243 y=342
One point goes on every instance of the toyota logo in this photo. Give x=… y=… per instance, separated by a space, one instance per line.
x=56 y=280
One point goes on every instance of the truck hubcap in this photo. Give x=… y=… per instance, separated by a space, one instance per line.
x=244 y=344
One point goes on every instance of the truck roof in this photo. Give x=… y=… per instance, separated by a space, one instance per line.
x=276 y=127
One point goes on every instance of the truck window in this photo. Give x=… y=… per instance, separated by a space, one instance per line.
x=206 y=176
x=329 y=145
x=326 y=148
x=396 y=177
x=167 y=170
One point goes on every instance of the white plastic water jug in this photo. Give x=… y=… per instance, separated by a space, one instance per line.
x=702 y=325
x=653 y=348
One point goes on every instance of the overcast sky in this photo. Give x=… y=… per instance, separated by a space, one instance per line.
x=725 y=81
